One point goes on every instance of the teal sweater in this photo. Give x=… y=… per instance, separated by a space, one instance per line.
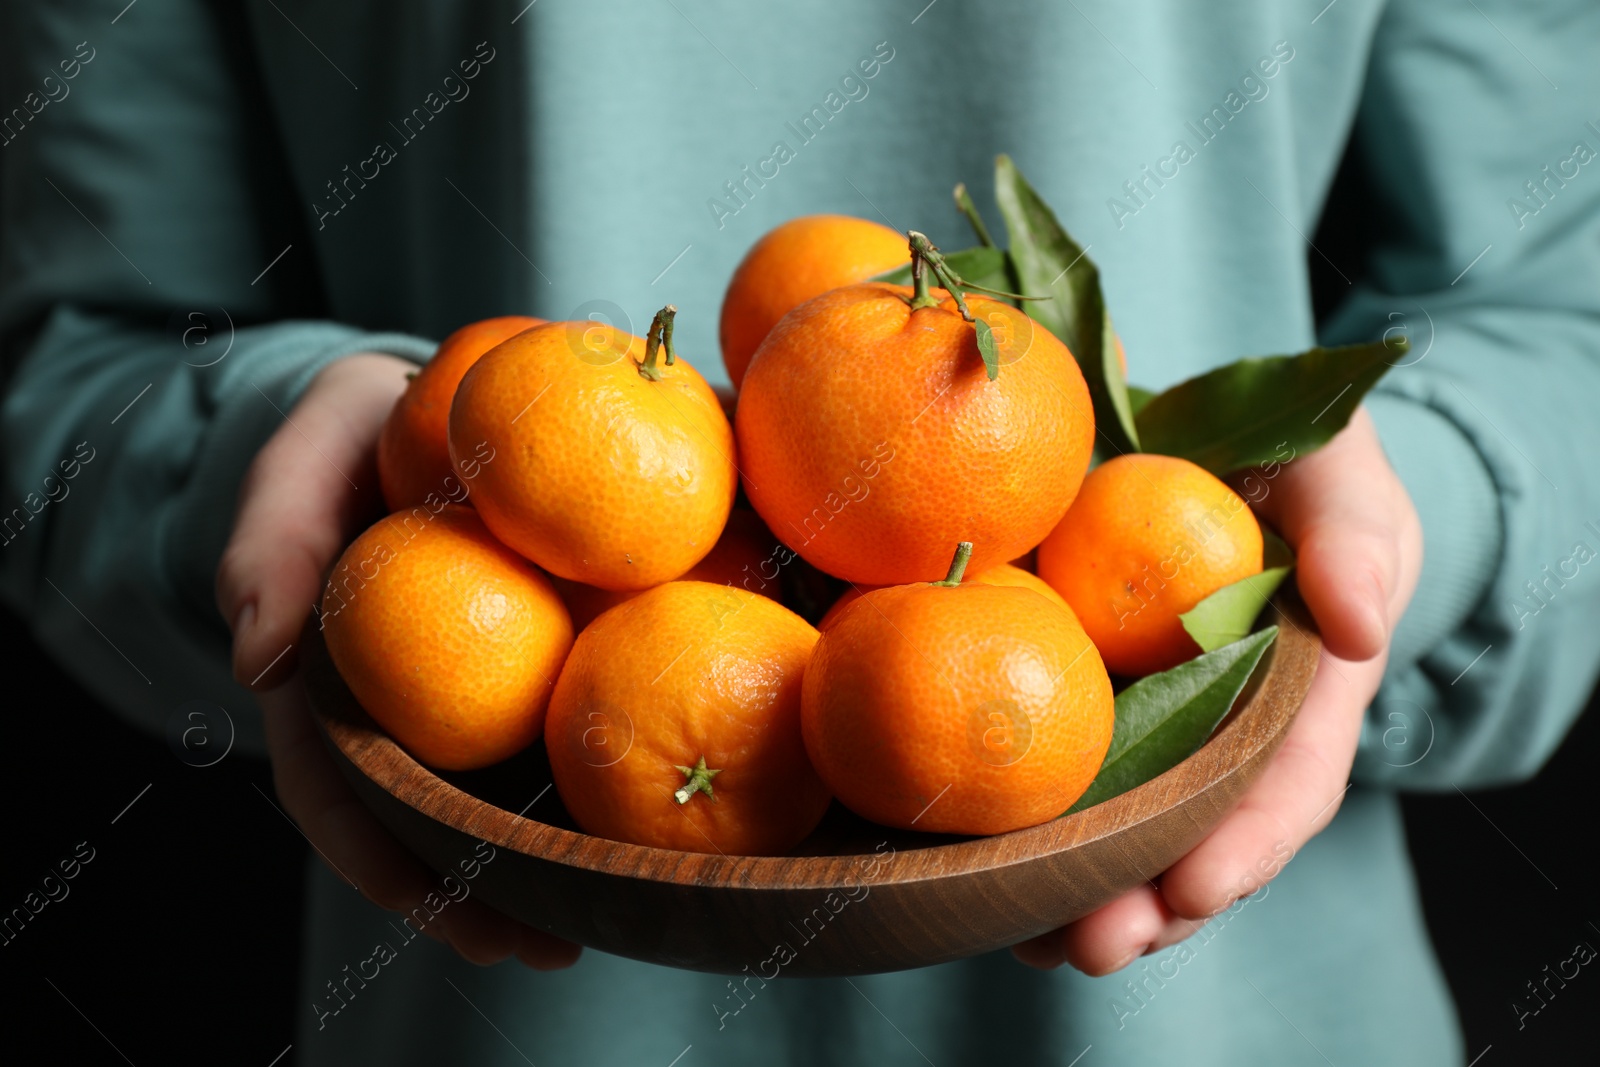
x=204 y=206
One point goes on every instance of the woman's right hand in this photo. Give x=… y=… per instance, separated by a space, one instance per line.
x=299 y=506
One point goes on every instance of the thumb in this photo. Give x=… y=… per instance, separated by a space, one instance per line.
x=1355 y=534
x=310 y=486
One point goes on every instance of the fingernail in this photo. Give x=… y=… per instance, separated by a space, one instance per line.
x=1378 y=605
x=1130 y=957
x=242 y=619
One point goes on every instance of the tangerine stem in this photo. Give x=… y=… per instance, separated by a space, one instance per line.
x=999 y=292
x=920 y=296
x=660 y=334
x=924 y=251
x=958 y=565
x=671 y=317
x=699 y=781
x=965 y=205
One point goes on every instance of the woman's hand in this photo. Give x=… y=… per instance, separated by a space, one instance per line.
x=312 y=487
x=1358 y=545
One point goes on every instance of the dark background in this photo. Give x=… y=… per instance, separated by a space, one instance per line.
x=179 y=940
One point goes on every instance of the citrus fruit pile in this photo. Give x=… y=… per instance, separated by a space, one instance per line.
x=933 y=458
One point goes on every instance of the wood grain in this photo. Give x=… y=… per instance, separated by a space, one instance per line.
x=860 y=899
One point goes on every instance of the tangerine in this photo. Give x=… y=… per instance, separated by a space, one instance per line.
x=1148 y=538
x=413 y=449
x=957 y=707
x=676 y=723
x=742 y=556
x=792 y=263
x=1004 y=574
x=606 y=467
x=451 y=641
x=871 y=437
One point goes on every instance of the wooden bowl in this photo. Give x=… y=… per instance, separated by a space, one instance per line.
x=858 y=899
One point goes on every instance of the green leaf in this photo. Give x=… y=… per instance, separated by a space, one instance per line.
x=1259 y=411
x=1049 y=262
x=1138 y=398
x=988 y=349
x=1164 y=718
x=1228 y=614
x=976 y=266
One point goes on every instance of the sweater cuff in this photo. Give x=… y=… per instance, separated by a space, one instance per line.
x=1458 y=504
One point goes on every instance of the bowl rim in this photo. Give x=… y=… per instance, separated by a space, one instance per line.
x=1261 y=721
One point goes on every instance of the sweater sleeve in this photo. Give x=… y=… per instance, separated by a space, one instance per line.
x=160 y=314
x=1478 y=134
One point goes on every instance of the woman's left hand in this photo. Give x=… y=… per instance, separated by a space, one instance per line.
x=1358 y=548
